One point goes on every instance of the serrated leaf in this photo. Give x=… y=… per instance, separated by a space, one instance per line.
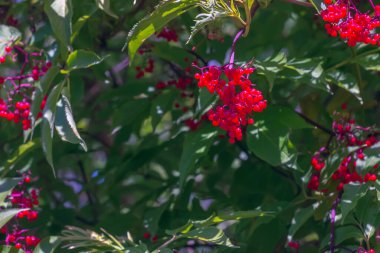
x=195 y=146
x=65 y=123
x=6 y=186
x=104 y=5
x=8 y=35
x=80 y=59
x=7 y=214
x=47 y=245
x=210 y=235
x=153 y=23
x=48 y=122
x=60 y=13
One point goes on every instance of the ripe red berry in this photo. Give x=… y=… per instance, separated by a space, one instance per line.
x=2 y=59
x=147 y=235
x=18 y=245
x=8 y=49
x=27 y=179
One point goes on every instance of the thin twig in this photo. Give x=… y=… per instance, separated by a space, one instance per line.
x=332 y=222
x=312 y=122
x=174 y=237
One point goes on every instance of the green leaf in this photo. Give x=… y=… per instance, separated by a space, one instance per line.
x=162 y=104
x=48 y=122
x=138 y=249
x=269 y=139
x=104 y=5
x=210 y=235
x=78 y=26
x=153 y=23
x=9 y=249
x=47 y=245
x=205 y=101
x=60 y=13
x=7 y=214
x=369 y=62
x=346 y=81
x=250 y=3
x=80 y=59
x=196 y=145
x=152 y=217
x=342 y=234
x=21 y=152
x=241 y=215
x=8 y=35
x=6 y=186
x=65 y=123
x=351 y=195
x=271 y=66
x=299 y=219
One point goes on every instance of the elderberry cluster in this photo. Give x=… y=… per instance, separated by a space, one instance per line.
x=347 y=134
x=239 y=98
x=343 y=18
x=15 y=232
x=19 y=85
x=168 y=34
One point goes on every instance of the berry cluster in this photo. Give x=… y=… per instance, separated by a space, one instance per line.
x=343 y=18
x=347 y=134
x=168 y=34
x=15 y=233
x=19 y=87
x=141 y=71
x=366 y=251
x=239 y=98
x=294 y=245
x=148 y=236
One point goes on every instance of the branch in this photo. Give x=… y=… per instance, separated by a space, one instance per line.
x=317 y=125
x=174 y=237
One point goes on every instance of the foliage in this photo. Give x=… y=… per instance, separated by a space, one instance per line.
x=130 y=149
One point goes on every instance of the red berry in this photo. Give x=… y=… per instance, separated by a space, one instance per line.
x=147 y=235
x=2 y=80
x=8 y=49
x=2 y=59
x=18 y=245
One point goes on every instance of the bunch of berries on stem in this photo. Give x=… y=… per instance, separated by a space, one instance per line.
x=353 y=139
x=239 y=99
x=343 y=18
x=18 y=85
x=16 y=234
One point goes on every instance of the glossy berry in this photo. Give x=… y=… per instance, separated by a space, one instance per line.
x=8 y=49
